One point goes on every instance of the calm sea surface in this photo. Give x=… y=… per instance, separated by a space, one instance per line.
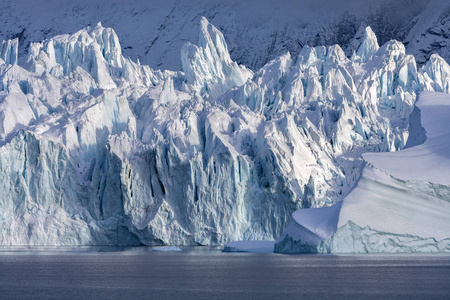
x=205 y=273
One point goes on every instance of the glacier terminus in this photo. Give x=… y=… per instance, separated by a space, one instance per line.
x=320 y=152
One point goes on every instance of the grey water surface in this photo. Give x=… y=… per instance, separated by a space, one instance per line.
x=207 y=273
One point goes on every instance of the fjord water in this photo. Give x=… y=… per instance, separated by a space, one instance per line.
x=205 y=273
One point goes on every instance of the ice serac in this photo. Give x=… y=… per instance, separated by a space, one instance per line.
x=208 y=67
x=369 y=45
x=400 y=203
x=15 y=112
x=202 y=157
x=96 y=50
x=436 y=74
x=9 y=51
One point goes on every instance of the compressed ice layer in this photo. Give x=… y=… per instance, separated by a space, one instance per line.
x=388 y=204
x=351 y=238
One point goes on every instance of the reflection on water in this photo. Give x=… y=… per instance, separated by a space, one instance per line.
x=207 y=273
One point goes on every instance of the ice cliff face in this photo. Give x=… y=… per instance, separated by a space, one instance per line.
x=98 y=149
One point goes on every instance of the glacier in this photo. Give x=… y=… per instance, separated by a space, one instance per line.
x=97 y=149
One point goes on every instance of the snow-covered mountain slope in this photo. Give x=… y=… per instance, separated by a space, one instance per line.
x=429 y=32
x=257 y=31
x=98 y=149
x=400 y=204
